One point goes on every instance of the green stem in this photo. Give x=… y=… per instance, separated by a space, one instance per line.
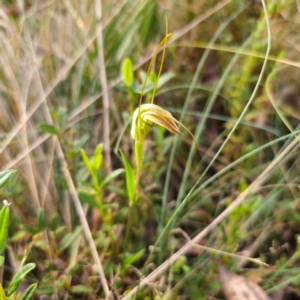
x=128 y=227
x=139 y=156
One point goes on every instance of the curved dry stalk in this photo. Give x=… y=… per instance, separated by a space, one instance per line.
x=234 y=50
x=213 y=250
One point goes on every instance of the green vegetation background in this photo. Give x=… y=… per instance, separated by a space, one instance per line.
x=69 y=203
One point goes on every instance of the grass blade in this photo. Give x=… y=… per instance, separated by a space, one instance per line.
x=19 y=277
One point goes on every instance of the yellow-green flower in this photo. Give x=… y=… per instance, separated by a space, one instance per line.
x=146 y=116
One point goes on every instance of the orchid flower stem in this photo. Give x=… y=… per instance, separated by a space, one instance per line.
x=139 y=156
x=128 y=227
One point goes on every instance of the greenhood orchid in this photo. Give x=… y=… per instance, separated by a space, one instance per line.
x=146 y=115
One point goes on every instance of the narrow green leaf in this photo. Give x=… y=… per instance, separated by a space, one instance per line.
x=98 y=150
x=130 y=181
x=148 y=88
x=17 y=279
x=164 y=78
x=88 y=198
x=2 y=294
x=152 y=76
x=1 y=260
x=97 y=158
x=18 y=236
x=29 y=293
x=4 y=176
x=69 y=239
x=130 y=260
x=4 y=222
x=54 y=222
x=47 y=128
x=41 y=220
x=111 y=176
x=81 y=289
x=134 y=257
x=46 y=289
x=87 y=161
x=142 y=75
x=127 y=72
x=31 y=230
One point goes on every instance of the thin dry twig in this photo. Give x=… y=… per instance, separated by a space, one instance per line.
x=212 y=250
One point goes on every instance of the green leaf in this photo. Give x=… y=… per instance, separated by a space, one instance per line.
x=47 y=128
x=88 y=198
x=14 y=284
x=87 y=161
x=130 y=181
x=4 y=176
x=130 y=260
x=41 y=220
x=69 y=239
x=46 y=289
x=127 y=72
x=31 y=230
x=29 y=293
x=1 y=260
x=54 y=222
x=134 y=257
x=80 y=142
x=18 y=236
x=148 y=88
x=81 y=289
x=152 y=76
x=4 y=222
x=111 y=176
x=164 y=78
x=142 y=75
x=2 y=294
x=97 y=158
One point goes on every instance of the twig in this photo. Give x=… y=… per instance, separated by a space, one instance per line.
x=104 y=86
x=212 y=250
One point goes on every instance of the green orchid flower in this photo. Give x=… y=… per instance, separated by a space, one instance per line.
x=146 y=115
